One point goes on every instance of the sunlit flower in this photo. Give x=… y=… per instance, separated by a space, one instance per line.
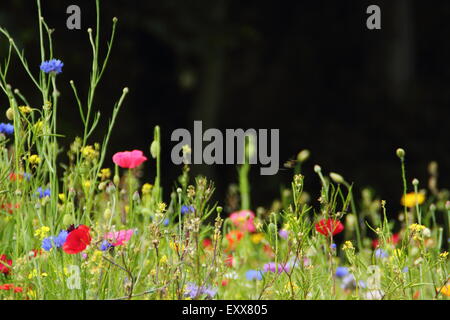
x=412 y=199
x=52 y=66
x=244 y=220
x=129 y=159
x=329 y=227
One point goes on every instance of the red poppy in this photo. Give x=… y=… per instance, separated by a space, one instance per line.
x=77 y=240
x=394 y=239
x=230 y=261
x=207 y=243
x=233 y=237
x=329 y=227
x=4 y=262
x=8 y=286
x=9 y=207
x=129 y=159
x=224 y=282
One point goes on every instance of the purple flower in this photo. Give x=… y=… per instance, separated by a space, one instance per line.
x=105 y=245
x=254 y=275
x=47 y=243
x=166 y=222
x=43 y=193
x=194 y=291
x=60 y=239
x=6 y=128
x=271 y=267
x=187 y=209
x=380 y=253
x=341 y=272
x=283 y=233
x=53 y=65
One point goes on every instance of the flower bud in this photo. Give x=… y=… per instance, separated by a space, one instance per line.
x=10 y=114
x=415 y=182
x=303 y=155
x=116 y=180
x=317 y=168
x=400 y=153
x=107 y=214
x=337 y=178
x=68 y=220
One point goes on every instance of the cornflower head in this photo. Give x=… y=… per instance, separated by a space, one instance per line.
x=194 y=291
x=6 y=128
x=254 y=275
x=52 y=66
x=43 y=192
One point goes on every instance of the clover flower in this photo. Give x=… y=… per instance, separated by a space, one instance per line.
x=52 y=66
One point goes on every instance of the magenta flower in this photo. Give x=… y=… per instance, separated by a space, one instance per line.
x=129 y=159
x=119 y=237
x=272 y=267
x=244 y=220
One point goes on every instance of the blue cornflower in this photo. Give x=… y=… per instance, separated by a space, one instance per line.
x=60 y=239
x=105 y=245
x=166 y=222
x=43 y=193
x=341 y=272
x=187 y=209
x=380 y=253
x=333 y=246
x=194 y=291
x=254 y=275
x=47 y=243
x=405 y=269
x=53 y=65
x=6 y=128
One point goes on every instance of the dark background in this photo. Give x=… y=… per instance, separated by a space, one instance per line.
x=310 y=68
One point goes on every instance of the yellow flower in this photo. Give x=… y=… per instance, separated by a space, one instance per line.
x=445 y=290
x=89 y=152
x=34 y=159
x=62 y=197
x=443 y=255
x=25 y=109
x=87 y=184
x=348 y=245
x=257 y=237
x=411 y=199
x=105 y=173
x=42 y=232
x=163 y=259
x=416 y=228
x=147 y=188
x=161 y=207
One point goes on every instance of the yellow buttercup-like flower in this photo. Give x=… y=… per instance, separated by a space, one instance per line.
x=348 y=245
x=34 y=159
x=257 y=237
x=445 y=290
x=412 y=199
x=416 y=228
x=25 y=109
x=147 y=188
x=42 y=232
x=443 y=255
x=105 y=173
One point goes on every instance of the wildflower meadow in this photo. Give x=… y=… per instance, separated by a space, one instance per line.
x=73 y=228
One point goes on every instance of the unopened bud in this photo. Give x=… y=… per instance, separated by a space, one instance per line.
x=68 y=220
x=10 y=114
x=116 y=180
x=337 y=177
x=317 y=168
x=400 y=153
x=303 y=155
x=415 y=182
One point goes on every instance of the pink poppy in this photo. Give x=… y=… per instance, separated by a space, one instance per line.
x=120 y=236
x=129 y=159
x=244 y=220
